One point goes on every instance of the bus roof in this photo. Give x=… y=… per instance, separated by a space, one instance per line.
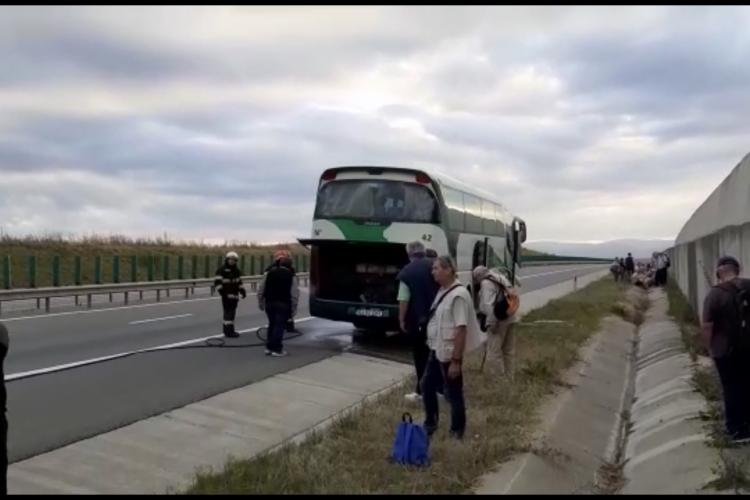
x=441 y=178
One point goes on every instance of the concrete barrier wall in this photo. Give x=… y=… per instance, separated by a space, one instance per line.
x=720 y=226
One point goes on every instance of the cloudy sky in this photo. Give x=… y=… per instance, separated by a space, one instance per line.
x=592 y=123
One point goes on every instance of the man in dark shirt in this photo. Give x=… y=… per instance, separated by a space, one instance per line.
x=278 y=295
x=4 y=342
x=417 y=290
x=629 y=267
x=732 y=358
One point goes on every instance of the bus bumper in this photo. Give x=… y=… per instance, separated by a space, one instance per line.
x=374 y=316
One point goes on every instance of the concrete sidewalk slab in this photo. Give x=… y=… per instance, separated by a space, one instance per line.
x=164 y=452
x=667 y=451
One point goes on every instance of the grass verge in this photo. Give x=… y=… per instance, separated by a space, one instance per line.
x=683 y=314
x=351 y=456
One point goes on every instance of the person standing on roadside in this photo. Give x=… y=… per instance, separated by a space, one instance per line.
x=661 y=263
x=501 y=338
x=417 y=290
x=452 y=332
x=228 y=283
x=278 y=296
x=629 y=267
x=4 y=344
x=286 y=254
x=726 y=332
x=614 y=268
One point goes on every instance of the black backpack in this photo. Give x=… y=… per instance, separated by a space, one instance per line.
x=740 y=336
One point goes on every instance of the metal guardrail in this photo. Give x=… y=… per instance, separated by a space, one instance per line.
x=189 y=285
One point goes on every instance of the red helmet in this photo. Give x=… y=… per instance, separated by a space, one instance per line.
x=282 y=255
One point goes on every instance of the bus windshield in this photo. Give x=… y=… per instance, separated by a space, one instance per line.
x=377 y=200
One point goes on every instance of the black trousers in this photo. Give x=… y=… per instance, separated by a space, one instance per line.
x=421 y=354
x=230 y=312
x=4 y=454
x=661 y=277
x=278 y=315
x=734 y=372
x=436 y=376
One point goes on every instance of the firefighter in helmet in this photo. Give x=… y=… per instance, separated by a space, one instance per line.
x=228 y=283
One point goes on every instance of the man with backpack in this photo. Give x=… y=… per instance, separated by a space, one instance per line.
x=498 y=302
x=629 y=267
x=726 y=331
x=615 y=269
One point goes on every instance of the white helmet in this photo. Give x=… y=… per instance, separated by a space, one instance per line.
x=232 y=255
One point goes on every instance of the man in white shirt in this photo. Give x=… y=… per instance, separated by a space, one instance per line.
x=452 y=331
x=501 y=338
x=661 y=263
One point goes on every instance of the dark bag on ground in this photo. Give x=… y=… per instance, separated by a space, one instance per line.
x=411 y=446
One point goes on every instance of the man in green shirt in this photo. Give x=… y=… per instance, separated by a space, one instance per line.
x=417 y=290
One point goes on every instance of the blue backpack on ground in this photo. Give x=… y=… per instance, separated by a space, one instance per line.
x=411 y=446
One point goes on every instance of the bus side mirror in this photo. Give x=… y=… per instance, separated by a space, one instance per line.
x=521 y=231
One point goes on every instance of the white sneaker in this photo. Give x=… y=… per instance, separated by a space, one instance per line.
x=279 y=354
x=268 y=352
x=413 y=397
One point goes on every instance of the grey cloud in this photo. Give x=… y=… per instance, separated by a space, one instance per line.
x=251 y=167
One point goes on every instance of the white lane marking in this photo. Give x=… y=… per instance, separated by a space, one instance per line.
x=557 y=272
x=165 y=318
x=43 y=371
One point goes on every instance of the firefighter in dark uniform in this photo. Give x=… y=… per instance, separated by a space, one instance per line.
x=278 y=295
x=228 y=283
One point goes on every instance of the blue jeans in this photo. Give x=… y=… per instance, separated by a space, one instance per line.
x=278 y=314
x=435 y=376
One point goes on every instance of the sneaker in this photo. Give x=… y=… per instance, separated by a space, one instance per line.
x=413 y=397
x=268 y=352
x=279 y=354
x=457 y=435
x=430 y=429
x=741 y=440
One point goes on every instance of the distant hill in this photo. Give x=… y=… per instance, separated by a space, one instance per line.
x=530 y=253
x=605 y=250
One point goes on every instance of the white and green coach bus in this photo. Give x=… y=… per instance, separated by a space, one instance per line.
x=365 y=215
